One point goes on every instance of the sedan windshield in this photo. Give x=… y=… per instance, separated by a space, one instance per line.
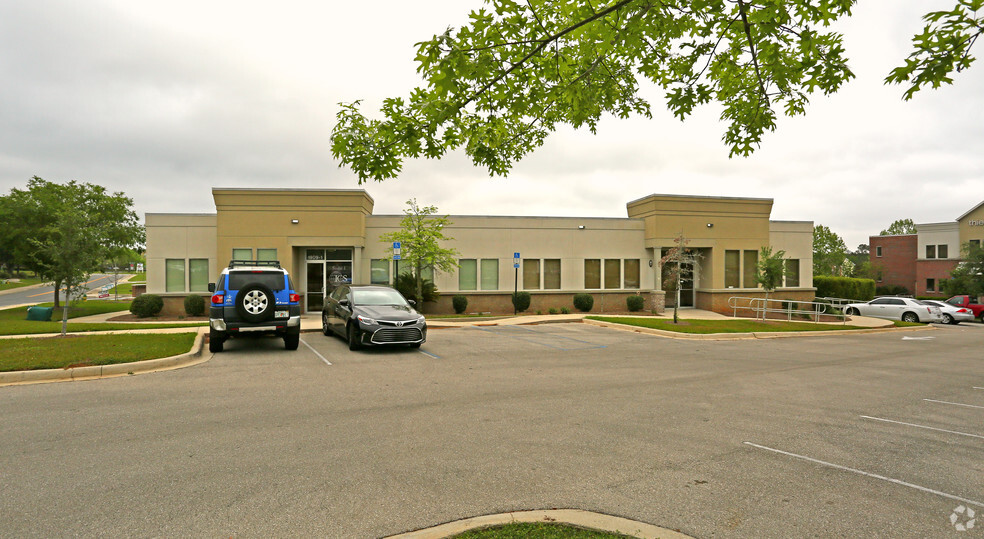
x=380 y=296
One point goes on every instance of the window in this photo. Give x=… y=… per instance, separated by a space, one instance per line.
x=531 y=274
x=751 y=269
x=792 y=272
x=242 y=254
x=174 y=275
x=266 y=254
x=613 y=273
x=930 y=285
x=379 y=271
x=975 y=243
x=468 y=274
x=592 y=273
x=198 y=275
x=490 y=274
x=930 y=251
x=632 y=273
x=878 y=251
x=551 y=274
x=878 y=277
x=942 y=251
x=732 y=261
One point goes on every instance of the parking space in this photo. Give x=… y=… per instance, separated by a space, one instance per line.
x=814 y=436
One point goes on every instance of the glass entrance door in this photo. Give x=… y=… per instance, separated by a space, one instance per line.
x=315 y=285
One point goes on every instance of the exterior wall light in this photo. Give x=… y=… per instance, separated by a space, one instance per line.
x=580 y=227
x=294 y=221
x=710 y=225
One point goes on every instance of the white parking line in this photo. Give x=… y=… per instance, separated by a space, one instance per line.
x=923 y=427
x=316 y=353
x=432 y=356
x=955 y=403
x=975 y=387
x=871 y=475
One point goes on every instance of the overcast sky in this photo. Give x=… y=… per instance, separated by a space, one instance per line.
x=165 y=100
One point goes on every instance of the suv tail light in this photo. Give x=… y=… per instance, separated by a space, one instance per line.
x=218 y=299
x=294 y=298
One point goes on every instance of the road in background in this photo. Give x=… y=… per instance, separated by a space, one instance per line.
x=46 y=293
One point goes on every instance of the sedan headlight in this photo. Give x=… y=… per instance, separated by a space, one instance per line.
x=421 y=320
x=366 y=320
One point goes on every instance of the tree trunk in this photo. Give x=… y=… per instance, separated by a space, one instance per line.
x=57 y=288
x=420 y=288
x=68 y=294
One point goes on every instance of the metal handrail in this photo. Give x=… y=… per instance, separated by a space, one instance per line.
x=761 y=307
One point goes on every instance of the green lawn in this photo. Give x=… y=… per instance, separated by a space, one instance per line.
x=138 y=278
x=7 y=285
x=85 y=350
x=538 y=530
x=124 y=289
x=14 y=321
x=737 y=325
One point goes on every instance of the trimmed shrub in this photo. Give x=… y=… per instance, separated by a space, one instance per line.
x=583 y=302
x=844 y=287
x=635 y=303
x=565 y=310
x=146 y=305
x=551 y=310
x=521 y=301
x=460 y=303
x=891 y=290
x=194 y=305
x=406 y=284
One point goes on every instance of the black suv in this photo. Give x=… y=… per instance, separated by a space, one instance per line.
x=254 y=296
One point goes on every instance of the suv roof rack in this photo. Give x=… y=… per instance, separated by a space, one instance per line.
x=254 y=263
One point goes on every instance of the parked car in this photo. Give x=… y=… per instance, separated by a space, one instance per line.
x=965 y=302
x=253 y=296
x=896 y=308
x=372 y=315
x=952 y=314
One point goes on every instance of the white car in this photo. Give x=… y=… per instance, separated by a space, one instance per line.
x=951 y=313
x=895 y=308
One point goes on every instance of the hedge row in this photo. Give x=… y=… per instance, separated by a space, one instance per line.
x=844 y=287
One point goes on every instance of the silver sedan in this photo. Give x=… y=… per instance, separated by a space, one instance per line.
x=951 y=313
x=896 y=308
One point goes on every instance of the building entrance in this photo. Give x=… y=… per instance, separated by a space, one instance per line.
x=326 y=269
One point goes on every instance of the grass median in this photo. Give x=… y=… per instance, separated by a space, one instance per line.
x=735 y=325
x=540 y=530
x=13 y=321
x=88 y=350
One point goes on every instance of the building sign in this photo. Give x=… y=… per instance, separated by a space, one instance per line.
x=315 y=254
x=976 y=222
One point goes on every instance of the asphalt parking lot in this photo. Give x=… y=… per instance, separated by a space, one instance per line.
x=861 y=435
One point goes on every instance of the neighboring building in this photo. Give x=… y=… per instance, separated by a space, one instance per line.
x=921 y=262
x=324 y=237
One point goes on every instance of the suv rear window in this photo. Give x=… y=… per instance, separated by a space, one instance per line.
x=271 y=279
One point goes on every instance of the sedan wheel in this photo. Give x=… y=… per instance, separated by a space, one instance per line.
x=947 y=319
x=324 y=325
x=909 y=317
x=353 y=338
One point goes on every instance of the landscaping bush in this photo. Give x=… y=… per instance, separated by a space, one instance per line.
x=891 y=290
x=844 y=287
x=583 y=302
x=565 y=310
x=147 y=305
x=635 y=303
x=460 y=303
x=551 y=310
x=194 y=305
x=406 y=284
x=521 y=301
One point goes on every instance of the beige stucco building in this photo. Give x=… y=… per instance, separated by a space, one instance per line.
x=324 y=237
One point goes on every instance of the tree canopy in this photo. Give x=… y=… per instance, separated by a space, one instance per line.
x=899 y=226
x=499 y=85
x=829 y=251
x=64 y=232
x=420 y=238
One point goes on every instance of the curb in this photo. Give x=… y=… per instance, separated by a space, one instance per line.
x=745 y=336
x=573 y=517
x=193 y=357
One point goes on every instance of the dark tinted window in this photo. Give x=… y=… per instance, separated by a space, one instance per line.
x=272 y=280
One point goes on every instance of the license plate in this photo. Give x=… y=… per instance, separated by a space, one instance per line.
x=281 y=314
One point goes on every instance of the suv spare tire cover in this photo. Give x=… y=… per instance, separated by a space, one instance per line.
x=255 y=302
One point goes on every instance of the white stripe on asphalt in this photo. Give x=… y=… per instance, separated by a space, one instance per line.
x=871 y=475
x=432 y=356
x=923 y=427
x=955 y=403
x=316 y=352
x=975 y=387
